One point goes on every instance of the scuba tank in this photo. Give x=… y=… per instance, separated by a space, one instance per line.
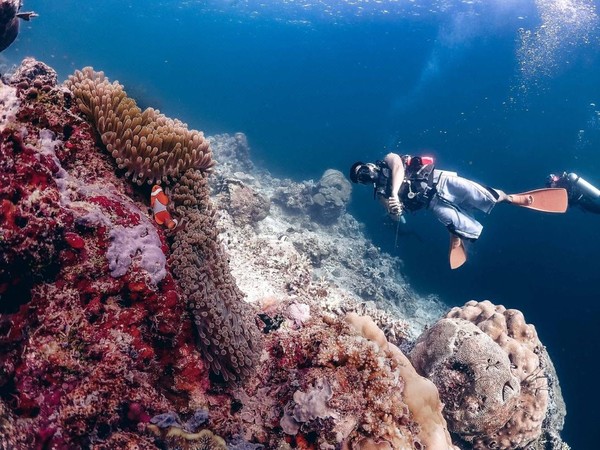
x=584 y=187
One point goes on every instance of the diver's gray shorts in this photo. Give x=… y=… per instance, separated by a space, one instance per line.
x=455 y=200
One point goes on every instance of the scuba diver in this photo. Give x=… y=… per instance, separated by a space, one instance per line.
x=411 y=183
x=10 y=12
x=580 y=192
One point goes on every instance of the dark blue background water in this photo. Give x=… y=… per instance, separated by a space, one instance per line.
x=317 y=87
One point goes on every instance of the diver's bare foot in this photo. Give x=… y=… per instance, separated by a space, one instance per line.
x=458 y=256
x=521 y=200
x=455 y=241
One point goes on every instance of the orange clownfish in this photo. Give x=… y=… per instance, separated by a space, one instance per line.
x=159 y=202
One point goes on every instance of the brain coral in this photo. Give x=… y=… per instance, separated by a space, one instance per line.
x=494 y=385
x=148 y=144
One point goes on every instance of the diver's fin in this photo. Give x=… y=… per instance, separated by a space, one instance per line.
x=554 y=200
x=458 y=254
x=26 y=15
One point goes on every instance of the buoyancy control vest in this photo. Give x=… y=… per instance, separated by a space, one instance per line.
x=417 y=188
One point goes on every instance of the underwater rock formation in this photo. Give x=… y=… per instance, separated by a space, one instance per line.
x=491 y=371
x=331 y=197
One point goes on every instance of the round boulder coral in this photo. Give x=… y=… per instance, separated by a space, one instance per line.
x=472 y=374
x=331 y=196
x=488 y=365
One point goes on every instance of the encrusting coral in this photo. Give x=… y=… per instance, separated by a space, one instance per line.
x=152 y=147
x=333 y=383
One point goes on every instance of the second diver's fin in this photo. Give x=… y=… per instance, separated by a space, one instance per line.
x=458 y=254
x=554 y=200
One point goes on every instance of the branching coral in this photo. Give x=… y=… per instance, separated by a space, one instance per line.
x=227 y=333
x=151 y=146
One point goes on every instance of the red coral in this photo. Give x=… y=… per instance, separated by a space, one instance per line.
x=74 y=240
x=117 y=210
x=32 y=219
x=83 y=355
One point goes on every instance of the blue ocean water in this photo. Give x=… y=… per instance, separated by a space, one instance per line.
x=502 y=91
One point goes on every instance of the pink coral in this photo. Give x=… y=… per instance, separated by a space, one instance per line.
x=84 y=356
x=328 y=386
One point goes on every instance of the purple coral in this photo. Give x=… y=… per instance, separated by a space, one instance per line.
x=166 y=420
x=140 y=243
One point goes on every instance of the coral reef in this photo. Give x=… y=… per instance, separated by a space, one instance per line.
x=156 y=148
x=325 y=201
x=116 y=333
x=294 y=197
x=244 y=204
x=232 y=153
x=350 y=387
x=33 y=76
x=86 y=356
x=289 y=252
x=490 y=369
x=152 y=147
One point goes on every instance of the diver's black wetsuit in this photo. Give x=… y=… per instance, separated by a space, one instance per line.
x=576 y=197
